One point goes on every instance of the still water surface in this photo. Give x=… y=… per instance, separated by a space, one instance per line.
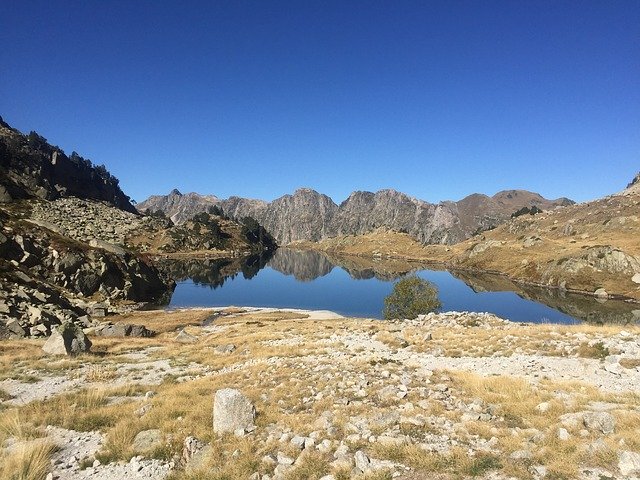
x=311 y=280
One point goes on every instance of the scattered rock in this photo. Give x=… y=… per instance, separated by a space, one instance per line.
x=363 y=463
x=629 y=463
x=224 y=349
x=122 y=330
x=184 y=337
x=599 y=421
x=67 y=339
x=601 y=293
x=232 y=411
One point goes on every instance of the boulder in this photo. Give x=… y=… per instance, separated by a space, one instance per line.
x=629 y=463
x=599 y=421
x=67 y=339
x=223 y=349
x=362 y=461
x=232 y=411
x=184 y=337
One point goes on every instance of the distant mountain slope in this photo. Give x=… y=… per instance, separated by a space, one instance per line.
x=178 y=207
x=307 y=215
x=30 y=167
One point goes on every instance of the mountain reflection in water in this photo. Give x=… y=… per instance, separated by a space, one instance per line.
x=356 y=286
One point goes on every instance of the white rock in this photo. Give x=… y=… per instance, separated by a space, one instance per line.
x=628 y=463
x=543 y=407
x=232 y=411
x=362 y=461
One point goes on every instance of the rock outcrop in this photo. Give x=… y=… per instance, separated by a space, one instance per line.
x=31 y=167
x=67 y=339
x=312 y=216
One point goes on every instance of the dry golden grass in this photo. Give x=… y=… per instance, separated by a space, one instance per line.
x=29 y=461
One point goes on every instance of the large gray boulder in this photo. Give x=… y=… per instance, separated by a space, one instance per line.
x=67 y=339
x=232 y=412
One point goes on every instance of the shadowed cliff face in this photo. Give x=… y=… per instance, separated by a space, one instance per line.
x=31 y=167
x=309 y=215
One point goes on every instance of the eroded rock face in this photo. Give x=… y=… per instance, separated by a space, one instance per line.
x=67 y=339
x=31 y=167
x=232 y=411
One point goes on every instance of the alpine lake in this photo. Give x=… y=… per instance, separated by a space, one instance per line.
x=356 y=287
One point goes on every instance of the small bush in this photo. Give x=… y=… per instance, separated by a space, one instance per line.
x=411 y=296
x=597 y=350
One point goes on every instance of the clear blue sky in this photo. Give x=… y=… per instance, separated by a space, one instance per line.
x=258 y=98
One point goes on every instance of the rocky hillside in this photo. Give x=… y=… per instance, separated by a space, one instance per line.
x=178 y=207
x=591 y=247
x=48 y=278
x=64 y=258
x=30 y=167
x=312 y=216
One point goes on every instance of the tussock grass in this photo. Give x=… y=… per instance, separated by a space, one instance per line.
x=29 y=461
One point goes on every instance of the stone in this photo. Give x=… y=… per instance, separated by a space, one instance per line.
x=232 y=411
x=362 y=461
x=599 y=421
x=629 y=463
x=147 y=440
x=538 y=471
x=601 y=293
x=184 y=337
x=14 y=327
x=67 y=339
x=636 y=278
x=284 y=459
x=563 y=434
x=520 y=455
x=123 y=330
x=190 y=447
x=109 y=247
x=223 y=349
x=543 y=407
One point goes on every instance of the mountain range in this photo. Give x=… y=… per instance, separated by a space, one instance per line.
x=307 y=215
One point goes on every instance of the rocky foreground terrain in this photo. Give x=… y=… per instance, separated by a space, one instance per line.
x=267 y=394
x=312 y=216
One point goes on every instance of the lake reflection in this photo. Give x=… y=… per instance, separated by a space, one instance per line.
x=357 y=286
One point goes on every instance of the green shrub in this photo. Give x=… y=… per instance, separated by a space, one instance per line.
x=411 y=296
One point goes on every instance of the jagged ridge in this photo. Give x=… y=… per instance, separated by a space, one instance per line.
x=312 y=216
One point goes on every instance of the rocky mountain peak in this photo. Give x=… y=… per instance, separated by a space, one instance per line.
x=634 y=186
x=309 y=215
x=175 y=192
